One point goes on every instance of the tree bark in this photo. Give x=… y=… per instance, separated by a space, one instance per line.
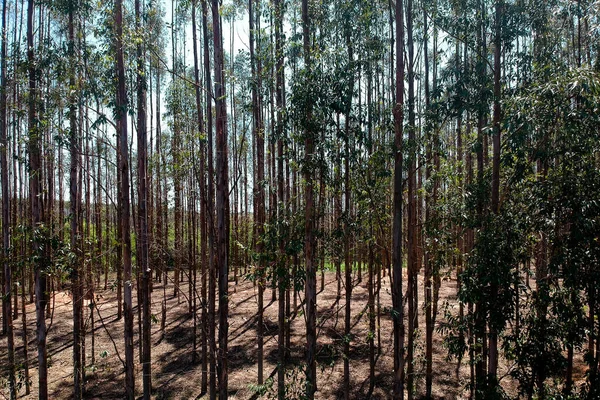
x=347 y=202
x=35 y=191
x=75 y=233
x=210 y=208
x=222 y=199
x=493 y=337
x=7 y=267
x=397 y=300
x=203 y=223
x=142 y=203
x=121 y=105
x=282 y=278
x=429 y=217
x=259 y=184
x=412 y=261
x=311 y=277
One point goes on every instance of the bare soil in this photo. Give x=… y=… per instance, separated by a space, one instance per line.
x=176 y=377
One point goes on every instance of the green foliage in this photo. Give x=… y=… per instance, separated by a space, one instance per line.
x=263 y=389
x=20 y=380
x=556 y=125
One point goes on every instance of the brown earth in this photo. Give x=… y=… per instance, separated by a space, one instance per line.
x=176 y=377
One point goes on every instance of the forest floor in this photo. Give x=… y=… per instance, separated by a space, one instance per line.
x=175 y=376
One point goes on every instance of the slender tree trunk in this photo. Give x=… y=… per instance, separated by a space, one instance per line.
x=347 y=201
x=86 y=265
x=371 y=306
x=222 y=199
x=20 y=209
x=493 y=337
x=282 y=278
x=272 y=152
x=259 y=184
x=309 y=259
x=37 y=213
x=117 y=222
x=142 y=243
x=121 y=105
x=7 y=267
x=193 y=262
x=429 y=217
x=412 y=262
x=74 y=192
x=189 y=217
x=4 y=88
x=161 y=231
x=289 y=276
x=338 y=212
x=397 y=300
x=203 y=223
x=210 y=208
x=479 y=324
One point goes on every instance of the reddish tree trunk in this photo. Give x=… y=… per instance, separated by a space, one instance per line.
x=397 y=300
x=310 y=265
x=121 y=105
x=222 y=199
x=7 y=269
x=203 y=227
x=74 y=190
x=142 y=240
x=282 y=279
x=35 y=191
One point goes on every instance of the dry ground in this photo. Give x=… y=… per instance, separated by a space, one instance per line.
x=176 y=377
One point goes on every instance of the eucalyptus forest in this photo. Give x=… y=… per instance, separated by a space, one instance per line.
x=261 y=199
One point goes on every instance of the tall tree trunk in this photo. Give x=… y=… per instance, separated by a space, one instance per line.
x=117 y=222
x=210 y=208
x=203 y=223
x=347 y=201
x=37 y=213
x=121 y=105
x=412 y=261
x=338 y=210
x=371 y=307
x=160 y=230
x=142 y=203
x=311 y=277
x=85 y=240
x=430 y=204
x=397 y=300
x=176 y=151
x=222 y=199
x=259 y=184
x=479 y=323
x=74 y=193
x=493 y=337
x=194 y=279
x=7 y=268
x=20 y=210
x=282 y=278
x=6 y=291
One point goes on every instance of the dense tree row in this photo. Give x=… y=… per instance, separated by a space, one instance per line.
x=399 y=143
